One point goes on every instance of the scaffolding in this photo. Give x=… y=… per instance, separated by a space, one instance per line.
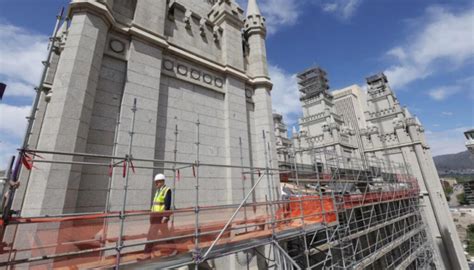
x=379 y=223
x=342 y=214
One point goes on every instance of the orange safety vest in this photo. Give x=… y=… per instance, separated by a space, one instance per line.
x=159 y=200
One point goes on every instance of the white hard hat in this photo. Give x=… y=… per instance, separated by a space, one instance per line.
x=159 y=176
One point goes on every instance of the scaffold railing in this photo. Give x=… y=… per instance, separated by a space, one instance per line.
x=82 y=240
x=344 y=213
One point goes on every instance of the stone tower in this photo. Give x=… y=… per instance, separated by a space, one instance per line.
x=321 y=127
x=183 y=61
x=283 y=143
x=393 y=134
x=387 y=131
x=256 y=64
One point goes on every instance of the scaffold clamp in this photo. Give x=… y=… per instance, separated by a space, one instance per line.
x=197 y=256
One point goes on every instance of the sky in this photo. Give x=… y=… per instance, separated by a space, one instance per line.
x=425 y=47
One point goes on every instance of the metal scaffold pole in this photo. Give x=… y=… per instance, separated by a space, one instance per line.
x=127 y=162
x=242 y=175
x=197 y=251
x=112 y=163
x=276 y=254
x=269 y=184
x=175 y=154
x=300 y=195
x=232 y=217
x=110 y=178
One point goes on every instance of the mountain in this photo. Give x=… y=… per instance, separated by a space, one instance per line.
x=460 y=162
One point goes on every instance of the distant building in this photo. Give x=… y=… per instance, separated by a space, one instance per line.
x=463 y=217
x=469 y=192
x=374 y=125
x=283 y=144
x=470 y=140
x=321 y=127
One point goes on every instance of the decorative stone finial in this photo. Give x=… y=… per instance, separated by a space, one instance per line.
x=252 y=8
x=254 y=21
x=398 y=122
x=406 y=112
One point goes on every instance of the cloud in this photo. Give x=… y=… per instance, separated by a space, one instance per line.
x=465 y=85
x=398 y=53
x=447 y=113
x=443 y=41
x=278 y=13
x=20 y=62
x=448 y=141
x=344 y=9
x=442 y=93
x=21 y=53
x=285 y=95
x=12 y=128
x=17 y=88
x=330 y=7
x=7 y=150
x=13 y=119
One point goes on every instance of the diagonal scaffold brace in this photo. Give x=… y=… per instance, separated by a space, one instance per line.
x=16 y=172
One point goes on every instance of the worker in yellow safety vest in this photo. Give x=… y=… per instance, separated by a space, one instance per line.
x=161 y=203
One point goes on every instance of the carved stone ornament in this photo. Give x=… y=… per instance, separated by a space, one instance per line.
x=218 y=82
x=326 y=128
x=207 y=78
x=187 y=19
x=248 y=93
x=202 y=27
x=169 y=65
x=117 y=46
x=195 y=74
x=192 y=74
x=183 y=70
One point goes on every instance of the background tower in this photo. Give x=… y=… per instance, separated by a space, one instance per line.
x=321 y=126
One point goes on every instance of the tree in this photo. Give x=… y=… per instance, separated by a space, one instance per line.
x=448 y=190
x=470 y=239
x=462 y=199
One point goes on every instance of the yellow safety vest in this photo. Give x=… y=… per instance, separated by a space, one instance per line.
x=159 y=200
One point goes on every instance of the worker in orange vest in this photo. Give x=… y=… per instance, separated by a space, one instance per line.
x=161 y=203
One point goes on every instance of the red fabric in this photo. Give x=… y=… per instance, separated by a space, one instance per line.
x=124 y=170
x=314 y=208
x=110 y=169
x=27 y=161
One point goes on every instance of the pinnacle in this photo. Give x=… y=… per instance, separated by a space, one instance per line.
x=252 y=8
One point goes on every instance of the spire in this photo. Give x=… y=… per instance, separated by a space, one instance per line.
x=407 y=112
x=294 y=131
x=252 y=8
x=254 y=22
x=417 y=120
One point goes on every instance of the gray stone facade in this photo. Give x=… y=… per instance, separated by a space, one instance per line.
x=184 y=61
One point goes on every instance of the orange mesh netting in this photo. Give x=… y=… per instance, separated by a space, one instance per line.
x=89 y=241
